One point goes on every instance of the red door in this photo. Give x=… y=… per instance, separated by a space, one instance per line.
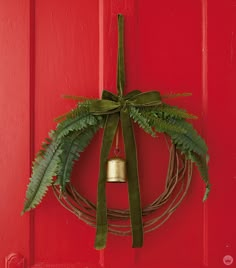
x=53 y=47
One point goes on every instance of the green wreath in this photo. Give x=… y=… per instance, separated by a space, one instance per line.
x=76 y=129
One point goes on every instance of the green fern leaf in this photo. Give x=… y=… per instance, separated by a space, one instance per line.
x=176 y=95
x=166 y=125
x=42 y=152
x=72 y=146
x=166 y=111
x=141 y=120
x=160 y=122
x=184 y=136
x=42 y=177
x=201 y=163
x=76 y=124
x=189 y=141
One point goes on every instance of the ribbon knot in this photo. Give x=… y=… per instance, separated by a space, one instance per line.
x=123 y=104
x=111 y=103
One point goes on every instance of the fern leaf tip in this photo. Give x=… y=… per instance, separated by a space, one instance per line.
x=25 y=209
x=207 y=191
x=22 y=212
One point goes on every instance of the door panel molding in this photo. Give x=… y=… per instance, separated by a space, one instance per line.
x=14 y=260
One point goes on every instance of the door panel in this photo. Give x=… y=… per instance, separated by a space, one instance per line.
x=160 y=46
x=221 y=132
x=66 y=57
x=58 y=47
x=15 y=146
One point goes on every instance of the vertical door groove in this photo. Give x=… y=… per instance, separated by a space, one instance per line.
x=31 y=116
x=204 y=121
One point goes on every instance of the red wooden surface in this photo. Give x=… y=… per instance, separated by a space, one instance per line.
x=53 y=47
x=14 y=137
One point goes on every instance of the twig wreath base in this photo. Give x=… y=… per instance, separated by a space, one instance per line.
x=178 y=179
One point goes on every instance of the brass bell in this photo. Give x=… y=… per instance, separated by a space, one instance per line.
x=116 y=170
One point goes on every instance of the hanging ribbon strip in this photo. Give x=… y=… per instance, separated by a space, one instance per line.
x=116 y=108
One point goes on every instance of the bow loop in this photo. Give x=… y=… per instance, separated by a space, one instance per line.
x=107 y=95
x=150 y=98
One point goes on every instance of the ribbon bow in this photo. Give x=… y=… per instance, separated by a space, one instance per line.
x=116 y=108
x=112 y=103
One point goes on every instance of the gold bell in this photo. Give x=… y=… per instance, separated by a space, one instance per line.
x=116 y=170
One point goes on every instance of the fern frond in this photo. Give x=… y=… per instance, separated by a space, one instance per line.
x=76 y=124
x=44 y=147
x=72 y=146
x=171 y=121
x=141 y=120
x=176 y=95
x=55 y=155
x=168 y=111
x=201 y=163
x=194 y=147
x=42 y=177
x=184 y=136
x=189 y=141
x=165 y=125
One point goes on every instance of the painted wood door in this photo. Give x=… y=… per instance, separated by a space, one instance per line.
x=53 y=47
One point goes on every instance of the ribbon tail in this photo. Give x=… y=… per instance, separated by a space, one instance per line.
x=133 y=180
x=110 y=128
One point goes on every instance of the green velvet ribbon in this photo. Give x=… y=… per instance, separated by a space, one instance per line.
x=116 y=108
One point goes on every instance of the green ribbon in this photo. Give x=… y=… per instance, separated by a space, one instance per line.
x=111 y=103
x=117 y=108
